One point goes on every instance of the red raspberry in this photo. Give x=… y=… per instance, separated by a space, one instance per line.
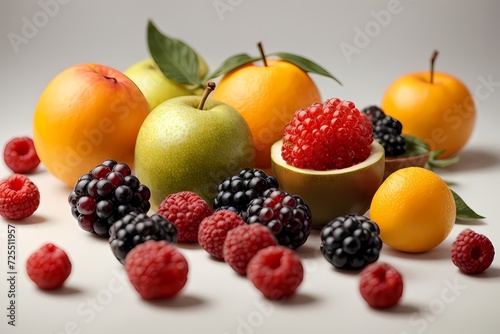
x=156 y=269
x=381 y=285
x=276 y=271
x=48 y=267
x=19 y=197
x=20 y=155
x=332 y=135
x=213 y=231
x=185 y=210
x=472 y=252
x=243 y=242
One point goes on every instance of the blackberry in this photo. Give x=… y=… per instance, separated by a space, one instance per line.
x=104 y=195
x=288 y=217
x=386 y=131
x=350 y=242
x=238 y=190
x=374 y=113
x=136 y=228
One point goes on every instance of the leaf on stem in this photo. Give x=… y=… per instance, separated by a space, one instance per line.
x=177 y=60
x=464 y=212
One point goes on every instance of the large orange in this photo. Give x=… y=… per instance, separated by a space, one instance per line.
x=414 y=209
x=441 y=113
x=88 y=113
x=267 y=97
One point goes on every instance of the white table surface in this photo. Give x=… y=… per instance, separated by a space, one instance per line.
x=97 y=298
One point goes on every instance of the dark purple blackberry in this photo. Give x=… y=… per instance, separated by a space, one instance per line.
x=288 y=217
x=104 y=195
x=386 y=131
x=135 y=228
x=238 y=190
x=374 y=113
x=350 y=242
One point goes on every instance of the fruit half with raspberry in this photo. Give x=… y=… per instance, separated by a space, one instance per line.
x=104 y=195
x=328 y=157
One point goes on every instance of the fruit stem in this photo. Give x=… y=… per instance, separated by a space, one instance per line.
x=208 y=90
x=433 y=60
x=262 y=54
x=110 y=78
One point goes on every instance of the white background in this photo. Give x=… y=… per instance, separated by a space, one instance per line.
x=97 y=297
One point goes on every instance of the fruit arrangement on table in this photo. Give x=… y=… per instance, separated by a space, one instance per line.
x=152 y=160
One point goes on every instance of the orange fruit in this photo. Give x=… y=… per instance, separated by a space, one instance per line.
x=267 y=97
x=441 y=113
x=88 y=113
x=414 y=209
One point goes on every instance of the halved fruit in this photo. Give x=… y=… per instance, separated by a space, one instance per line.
x=332 y=193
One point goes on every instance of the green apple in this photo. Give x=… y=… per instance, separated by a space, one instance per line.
x=191 y=143
x=155 y=86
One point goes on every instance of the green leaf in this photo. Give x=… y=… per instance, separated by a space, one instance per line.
x=177 y=60
x=415 y=146
x=464 y=212
x=305 y=64
x=230 y=64
x=441 y=163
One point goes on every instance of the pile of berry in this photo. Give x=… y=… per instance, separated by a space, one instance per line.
x=256 y=198
x=386 y=131
x=330 y=135
x=104 y=195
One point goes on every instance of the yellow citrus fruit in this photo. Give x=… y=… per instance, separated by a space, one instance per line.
x=267 y=97
x=88 y=113
x=414 y=209
x=441 y=113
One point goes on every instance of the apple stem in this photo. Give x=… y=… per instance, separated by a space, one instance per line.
x=110 y=78
x=208 y=90
x=262 y=54
x=433 y=60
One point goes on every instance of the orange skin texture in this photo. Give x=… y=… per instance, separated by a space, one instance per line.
x=441 y=113
x=267 y=97
x=88 y=113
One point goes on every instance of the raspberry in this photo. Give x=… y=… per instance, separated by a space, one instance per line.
x=472 y=252
x=276 y=271
x=213 y=231
x=386 y=131
x=156 y=269
x=185 y=210
x=48 y=267
x=243 y=242
x=380 y=285
x=19 y=197
x=238 y=190
x=104 y=195
x=286 y=215
x=136 y=228
x=332 y=135
x=350 y=242
x=20 y=155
